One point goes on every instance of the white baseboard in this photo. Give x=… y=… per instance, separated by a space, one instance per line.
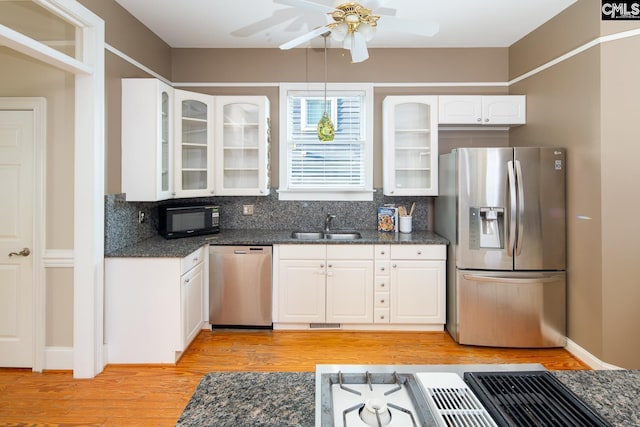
x=58 y=358
x=588 y=358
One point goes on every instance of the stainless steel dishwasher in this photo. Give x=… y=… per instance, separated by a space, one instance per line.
x=240 y=286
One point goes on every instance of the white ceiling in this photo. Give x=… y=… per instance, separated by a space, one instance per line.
x=264 y=24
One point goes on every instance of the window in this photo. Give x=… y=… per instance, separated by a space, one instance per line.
x=337 y=170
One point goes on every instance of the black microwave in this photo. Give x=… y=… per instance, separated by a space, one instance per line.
x=186 y=221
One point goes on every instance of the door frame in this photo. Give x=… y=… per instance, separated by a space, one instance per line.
x=38 y=107
x=89 y=144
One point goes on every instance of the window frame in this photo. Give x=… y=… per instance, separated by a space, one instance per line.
x=328 y=193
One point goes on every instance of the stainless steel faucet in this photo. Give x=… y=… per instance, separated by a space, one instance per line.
x=327 y=221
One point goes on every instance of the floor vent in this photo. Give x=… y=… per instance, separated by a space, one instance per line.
x=534 y=398
x=324 y=325
x=452 y=403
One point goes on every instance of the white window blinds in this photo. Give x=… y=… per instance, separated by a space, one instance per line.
x=336 y=165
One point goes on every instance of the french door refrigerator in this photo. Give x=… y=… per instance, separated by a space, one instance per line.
x=503 y=211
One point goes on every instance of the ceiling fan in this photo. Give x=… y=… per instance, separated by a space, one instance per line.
x=354 y=24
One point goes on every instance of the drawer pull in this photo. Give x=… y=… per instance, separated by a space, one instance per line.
x=395 y=265
x=381 y=301
x=419 y=252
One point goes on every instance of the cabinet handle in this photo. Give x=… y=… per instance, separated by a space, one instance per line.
x=395 y=266
x=381 y=268
x=479 y=120
x=195 y=259
x=486 y=120
x=382 y=285
x=381 y=252
x=321 y=265
x=330 y=266
x=187 y=280
x=382 y=317
x=381 y=301
x=419 y=252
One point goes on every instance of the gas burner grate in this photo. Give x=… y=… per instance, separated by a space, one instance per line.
x=531 y=398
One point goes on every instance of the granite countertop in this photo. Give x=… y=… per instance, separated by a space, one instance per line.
x=283 y=399
x=157 y=246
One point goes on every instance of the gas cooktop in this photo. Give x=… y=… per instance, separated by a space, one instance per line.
x=437 y=395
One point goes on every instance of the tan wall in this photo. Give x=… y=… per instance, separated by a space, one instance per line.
x=588 y=105
x=24 y=77
x=131 y=37
x=620 y=176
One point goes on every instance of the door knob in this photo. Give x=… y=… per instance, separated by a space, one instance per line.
x=24 y=252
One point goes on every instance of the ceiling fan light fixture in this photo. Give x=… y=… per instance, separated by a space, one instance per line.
x=347 y=41
x=340 y=31
x=367 y=31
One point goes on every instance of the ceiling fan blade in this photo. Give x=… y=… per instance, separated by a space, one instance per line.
x=359 y=51
x=391 y=23
x=304 y=4
x=304 y=38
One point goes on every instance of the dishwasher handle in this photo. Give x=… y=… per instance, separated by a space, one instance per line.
x=251 y=250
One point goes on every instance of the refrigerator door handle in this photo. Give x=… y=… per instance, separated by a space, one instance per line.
x=519 y=181
x=512 y=208
x=519 y=281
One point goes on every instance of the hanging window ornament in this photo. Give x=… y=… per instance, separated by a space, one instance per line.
x=326 y=131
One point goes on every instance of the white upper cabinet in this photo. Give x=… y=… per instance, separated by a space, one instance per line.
x=410 y=145
x=194 y=144
x=482 y=110
x=242 y=145
x=147 y=140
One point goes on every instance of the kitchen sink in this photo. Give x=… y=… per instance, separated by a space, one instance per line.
x=310 y=235
x=342 y=235
x=329 y=235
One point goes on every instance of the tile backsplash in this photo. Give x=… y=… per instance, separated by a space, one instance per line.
x=123 y=229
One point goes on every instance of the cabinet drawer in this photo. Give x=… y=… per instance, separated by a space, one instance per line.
x=346 y=251
x=382 y=284
x=381 y=315
x=191 y=260
x=382 y=268
x=383 y=252
x=303 y=252
x=381 y=300
x=418 y=252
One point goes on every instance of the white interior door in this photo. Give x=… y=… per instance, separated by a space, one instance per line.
x=16 y=238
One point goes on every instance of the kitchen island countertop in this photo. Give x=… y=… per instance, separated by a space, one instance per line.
x=158 y=247
x=242 y=398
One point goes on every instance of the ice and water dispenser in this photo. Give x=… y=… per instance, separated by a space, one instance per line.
x=486 y=225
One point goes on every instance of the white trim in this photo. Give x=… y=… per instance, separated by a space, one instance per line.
x=35 y=49
x=58 y=258
x=135 y=63
x=576 y=51
x=214 y=84
x=39 y=108
x=58 y=358
x=88 y=278
x=588 y=358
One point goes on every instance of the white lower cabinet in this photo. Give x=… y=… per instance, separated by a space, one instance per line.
x=323 y=284
x=154 y=307
x=417 y=284
x=396 y=287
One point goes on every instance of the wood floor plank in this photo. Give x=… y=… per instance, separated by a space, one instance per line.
x=155 y=395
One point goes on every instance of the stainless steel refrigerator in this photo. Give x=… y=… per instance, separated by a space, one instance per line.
x=503 y=210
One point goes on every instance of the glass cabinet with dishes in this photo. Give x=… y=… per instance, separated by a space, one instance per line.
x=242 y=145
x=147 y=140
x=194 y=144
x=410 y=145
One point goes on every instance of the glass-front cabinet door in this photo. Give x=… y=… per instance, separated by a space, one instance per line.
x=242 y=145
x=194 y=144
x=410 y=145
x=147 y=140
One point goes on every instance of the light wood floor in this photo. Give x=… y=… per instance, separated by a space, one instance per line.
x=125 y=395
